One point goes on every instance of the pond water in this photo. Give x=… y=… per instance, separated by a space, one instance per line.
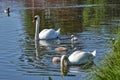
x=93 y=24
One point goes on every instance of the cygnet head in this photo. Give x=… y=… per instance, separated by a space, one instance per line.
x=74 y=38
x=72 y=35
x=56 y=60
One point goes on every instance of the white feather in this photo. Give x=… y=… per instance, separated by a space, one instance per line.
x=81 y=57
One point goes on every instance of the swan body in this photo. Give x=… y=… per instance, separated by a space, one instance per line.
x=77 y=58
x=81 y=57
x=49 y=34
x=45 y=33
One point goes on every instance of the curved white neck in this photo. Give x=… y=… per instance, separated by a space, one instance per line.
x=37 y=29
x=64 y=64
x=64 y=61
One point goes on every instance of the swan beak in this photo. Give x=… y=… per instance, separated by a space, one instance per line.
x=34 y=19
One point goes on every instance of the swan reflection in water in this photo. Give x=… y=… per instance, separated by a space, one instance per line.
x=37 y=49
x=49 y=44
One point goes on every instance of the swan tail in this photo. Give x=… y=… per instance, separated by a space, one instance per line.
x=94 y=53
x=58 y=31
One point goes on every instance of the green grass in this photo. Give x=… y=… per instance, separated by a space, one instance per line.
x=109 y=68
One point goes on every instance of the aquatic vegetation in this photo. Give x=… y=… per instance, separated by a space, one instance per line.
x=109 y=68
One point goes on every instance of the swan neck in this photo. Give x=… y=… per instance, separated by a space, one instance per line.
x=36 y=44
x=64 y=61
x=64 y=64
x=37 y=29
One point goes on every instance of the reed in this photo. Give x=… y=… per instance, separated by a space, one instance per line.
x=109 y=68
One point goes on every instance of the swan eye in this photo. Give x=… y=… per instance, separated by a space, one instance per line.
x=34 y=19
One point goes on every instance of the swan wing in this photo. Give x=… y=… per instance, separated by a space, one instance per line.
x=76 y=57
x=48 y=34
x=80 y=57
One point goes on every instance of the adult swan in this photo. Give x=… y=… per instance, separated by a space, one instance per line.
x=77 y=58
x=45 y=33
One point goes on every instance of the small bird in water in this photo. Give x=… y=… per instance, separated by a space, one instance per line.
x=73 y=38
x=7 y=11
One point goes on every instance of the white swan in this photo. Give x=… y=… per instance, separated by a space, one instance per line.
x=46 y=33
x=77 y=58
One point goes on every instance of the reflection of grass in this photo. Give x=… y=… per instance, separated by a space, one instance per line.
x=110 y=66
x=49 y=78
x=93 y=15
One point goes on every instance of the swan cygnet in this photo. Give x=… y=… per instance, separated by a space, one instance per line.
x=56 y=60
x=73 y=38
x=45 y=34
x=61 y=50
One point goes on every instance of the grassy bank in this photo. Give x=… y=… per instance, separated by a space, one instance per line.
x=109 y=68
